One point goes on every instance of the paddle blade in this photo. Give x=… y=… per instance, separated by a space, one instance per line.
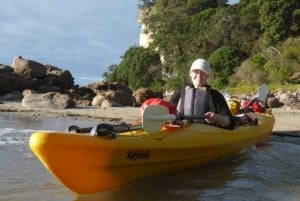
x=154 y=117
x=262 y=93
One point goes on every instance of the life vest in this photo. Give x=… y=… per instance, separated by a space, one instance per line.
x=195 y=102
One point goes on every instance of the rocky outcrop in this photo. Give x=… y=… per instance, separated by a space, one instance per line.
x=28 y=74
x=289 y=100
x=49 y=86
x=111 y=94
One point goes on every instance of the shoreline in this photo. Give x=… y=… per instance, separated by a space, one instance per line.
x=285 y=119
x=78 y=113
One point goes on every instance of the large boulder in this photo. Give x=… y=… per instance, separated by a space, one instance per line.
x=58 y=77
x=117 y=98
x=273 y=102
x=9 y=81
x=142 y=94
x=97 y=100
x=111 y=94
x=28 y=68
x=4 y=69
x=51 y=100
x=101 y=86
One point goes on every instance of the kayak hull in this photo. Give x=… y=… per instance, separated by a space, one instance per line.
x=88 y=164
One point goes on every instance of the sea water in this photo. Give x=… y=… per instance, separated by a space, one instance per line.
x=269 y=172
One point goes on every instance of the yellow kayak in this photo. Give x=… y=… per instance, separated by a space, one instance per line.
x=88 y=164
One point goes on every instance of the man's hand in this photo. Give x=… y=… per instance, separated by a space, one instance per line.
x=212 y=118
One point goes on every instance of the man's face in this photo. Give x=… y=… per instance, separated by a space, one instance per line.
x=199 y=78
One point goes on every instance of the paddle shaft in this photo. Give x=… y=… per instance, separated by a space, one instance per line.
x=116 y=128
x=156 y=117
x=189 y=117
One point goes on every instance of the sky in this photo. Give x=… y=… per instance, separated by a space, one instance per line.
x=82 y=36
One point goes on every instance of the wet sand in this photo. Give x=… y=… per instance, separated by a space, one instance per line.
x=286 y=120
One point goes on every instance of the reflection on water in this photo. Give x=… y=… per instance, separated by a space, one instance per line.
x=265 y=173
x=186 y=185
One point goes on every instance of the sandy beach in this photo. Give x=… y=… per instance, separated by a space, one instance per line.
x=286 y=119
x=127 y=114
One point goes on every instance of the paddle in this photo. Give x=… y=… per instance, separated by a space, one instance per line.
x=262 y=93
x=153 y=119
x=104 y=129
x=155 y=116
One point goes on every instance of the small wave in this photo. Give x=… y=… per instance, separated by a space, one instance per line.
x=11 y=136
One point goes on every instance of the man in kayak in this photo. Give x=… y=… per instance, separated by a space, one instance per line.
x=200 y=100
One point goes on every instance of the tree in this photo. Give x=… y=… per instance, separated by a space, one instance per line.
x=285 y=64
x=111 y=75
x=279 y=19
x=182 y=31
x=223 y=63
x=251 y=71
x=140 y=67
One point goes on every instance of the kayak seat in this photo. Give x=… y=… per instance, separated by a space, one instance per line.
x=104 y=130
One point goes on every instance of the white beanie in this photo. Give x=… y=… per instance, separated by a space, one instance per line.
x=201 y=64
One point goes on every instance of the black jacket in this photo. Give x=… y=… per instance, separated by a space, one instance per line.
x=219 y=102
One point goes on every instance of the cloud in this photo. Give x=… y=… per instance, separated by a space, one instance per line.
x=82 y=36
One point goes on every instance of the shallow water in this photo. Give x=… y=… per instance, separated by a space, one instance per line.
x=269 y=172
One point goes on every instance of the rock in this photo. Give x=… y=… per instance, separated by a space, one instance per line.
x=4 y=69
x=12 y=82
x=100 y=87
x=48 y=88
x=58 y=77
x=118 y=98
x=287 y=99
x=82 y=102
x=28 y=68
x=85 y=90
x=115 y=94
x=97 y=100
x=142 y=94
x=273 y=102
x=110 y=103
x=28 y=92
x=49 y=100
x=283 y=96
x=12 y=96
